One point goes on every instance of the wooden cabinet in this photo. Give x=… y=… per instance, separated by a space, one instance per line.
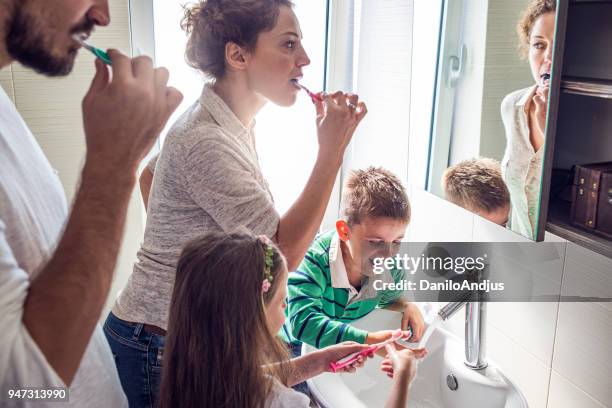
x=579 y=129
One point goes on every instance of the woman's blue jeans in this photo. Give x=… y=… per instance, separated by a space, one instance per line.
x=138 y=356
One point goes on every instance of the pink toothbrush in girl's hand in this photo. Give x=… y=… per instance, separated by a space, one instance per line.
x=312 y=95
x=351 y=358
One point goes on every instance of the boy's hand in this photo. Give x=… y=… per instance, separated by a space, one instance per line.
x=412 y=317
x=382 y=335
x=331 y=354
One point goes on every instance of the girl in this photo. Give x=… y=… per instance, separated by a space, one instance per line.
x=221 y=350
x=208 y=176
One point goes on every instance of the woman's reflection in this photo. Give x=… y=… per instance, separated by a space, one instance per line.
x=524 y=116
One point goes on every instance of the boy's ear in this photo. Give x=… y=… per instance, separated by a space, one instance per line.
x=235 y=56
x=343 y=230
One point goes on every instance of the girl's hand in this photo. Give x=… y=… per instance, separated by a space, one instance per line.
x=402 y=363
x=540 y=100
x=412 y=317
x=334 y=353
x=338 y=115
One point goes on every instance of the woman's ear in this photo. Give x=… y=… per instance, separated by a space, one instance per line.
x=235 y=57
x=343 y=230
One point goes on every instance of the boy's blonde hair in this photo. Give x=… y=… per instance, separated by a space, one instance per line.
x=476 y=184
x=374 y=192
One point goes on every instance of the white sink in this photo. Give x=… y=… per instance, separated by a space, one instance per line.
x=369 y=386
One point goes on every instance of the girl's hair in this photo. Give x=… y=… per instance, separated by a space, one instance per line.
x=534 y=10
x=211 y=24
x=220 y=350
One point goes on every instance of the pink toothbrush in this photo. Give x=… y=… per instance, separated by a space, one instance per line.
x=312 y=95
x=351 y=358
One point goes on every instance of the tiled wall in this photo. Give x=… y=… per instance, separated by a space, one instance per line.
x=52 y=109
x=558 y=354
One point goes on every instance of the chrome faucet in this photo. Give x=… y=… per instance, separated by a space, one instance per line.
x=475 y=330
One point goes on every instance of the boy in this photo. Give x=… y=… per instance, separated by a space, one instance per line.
x=477 y=186
x=334 y=284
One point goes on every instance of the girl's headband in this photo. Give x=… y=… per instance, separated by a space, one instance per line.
x=268 y=262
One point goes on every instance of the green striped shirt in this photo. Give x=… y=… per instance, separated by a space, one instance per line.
x=317 y=312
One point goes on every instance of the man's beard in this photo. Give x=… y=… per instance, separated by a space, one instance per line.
x=27 y=43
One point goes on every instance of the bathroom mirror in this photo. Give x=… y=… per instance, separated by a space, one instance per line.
x=486 y=151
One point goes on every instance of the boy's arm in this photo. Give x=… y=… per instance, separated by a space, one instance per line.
x=411 y=315
x=392 y=299
x=309 y=323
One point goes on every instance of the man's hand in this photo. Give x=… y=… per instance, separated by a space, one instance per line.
x=124 y=115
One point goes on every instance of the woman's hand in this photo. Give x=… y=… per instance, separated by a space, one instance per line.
x=412 y=317
x=338 y=115
x=334 y=353
x=540 y=100
x=401 y=363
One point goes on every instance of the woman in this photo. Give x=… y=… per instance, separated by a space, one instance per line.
x=232 y=358
x=524 y=116
x=208 y=177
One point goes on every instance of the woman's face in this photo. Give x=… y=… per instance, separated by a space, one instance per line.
x=277 y=59
x=541 y=46
x=275 y=308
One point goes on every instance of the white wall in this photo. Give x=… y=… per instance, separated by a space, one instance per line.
x=52 y=109
x=383 y=66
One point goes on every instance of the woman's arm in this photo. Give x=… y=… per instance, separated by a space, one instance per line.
x=145 y=181
x=338 y=115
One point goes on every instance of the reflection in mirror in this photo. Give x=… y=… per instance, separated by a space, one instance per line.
x=489 y=120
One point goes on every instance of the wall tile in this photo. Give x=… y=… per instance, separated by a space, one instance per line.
x=527 y=371
x=437 y=220
x=564 y=394
x=582 y=345
x=486 y=231
x=530 y=324
x=550 y=237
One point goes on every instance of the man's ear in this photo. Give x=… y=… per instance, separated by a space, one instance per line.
x=343 y=230
x=235 y=56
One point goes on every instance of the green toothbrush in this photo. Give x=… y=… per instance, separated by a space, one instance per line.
x=80 y=38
